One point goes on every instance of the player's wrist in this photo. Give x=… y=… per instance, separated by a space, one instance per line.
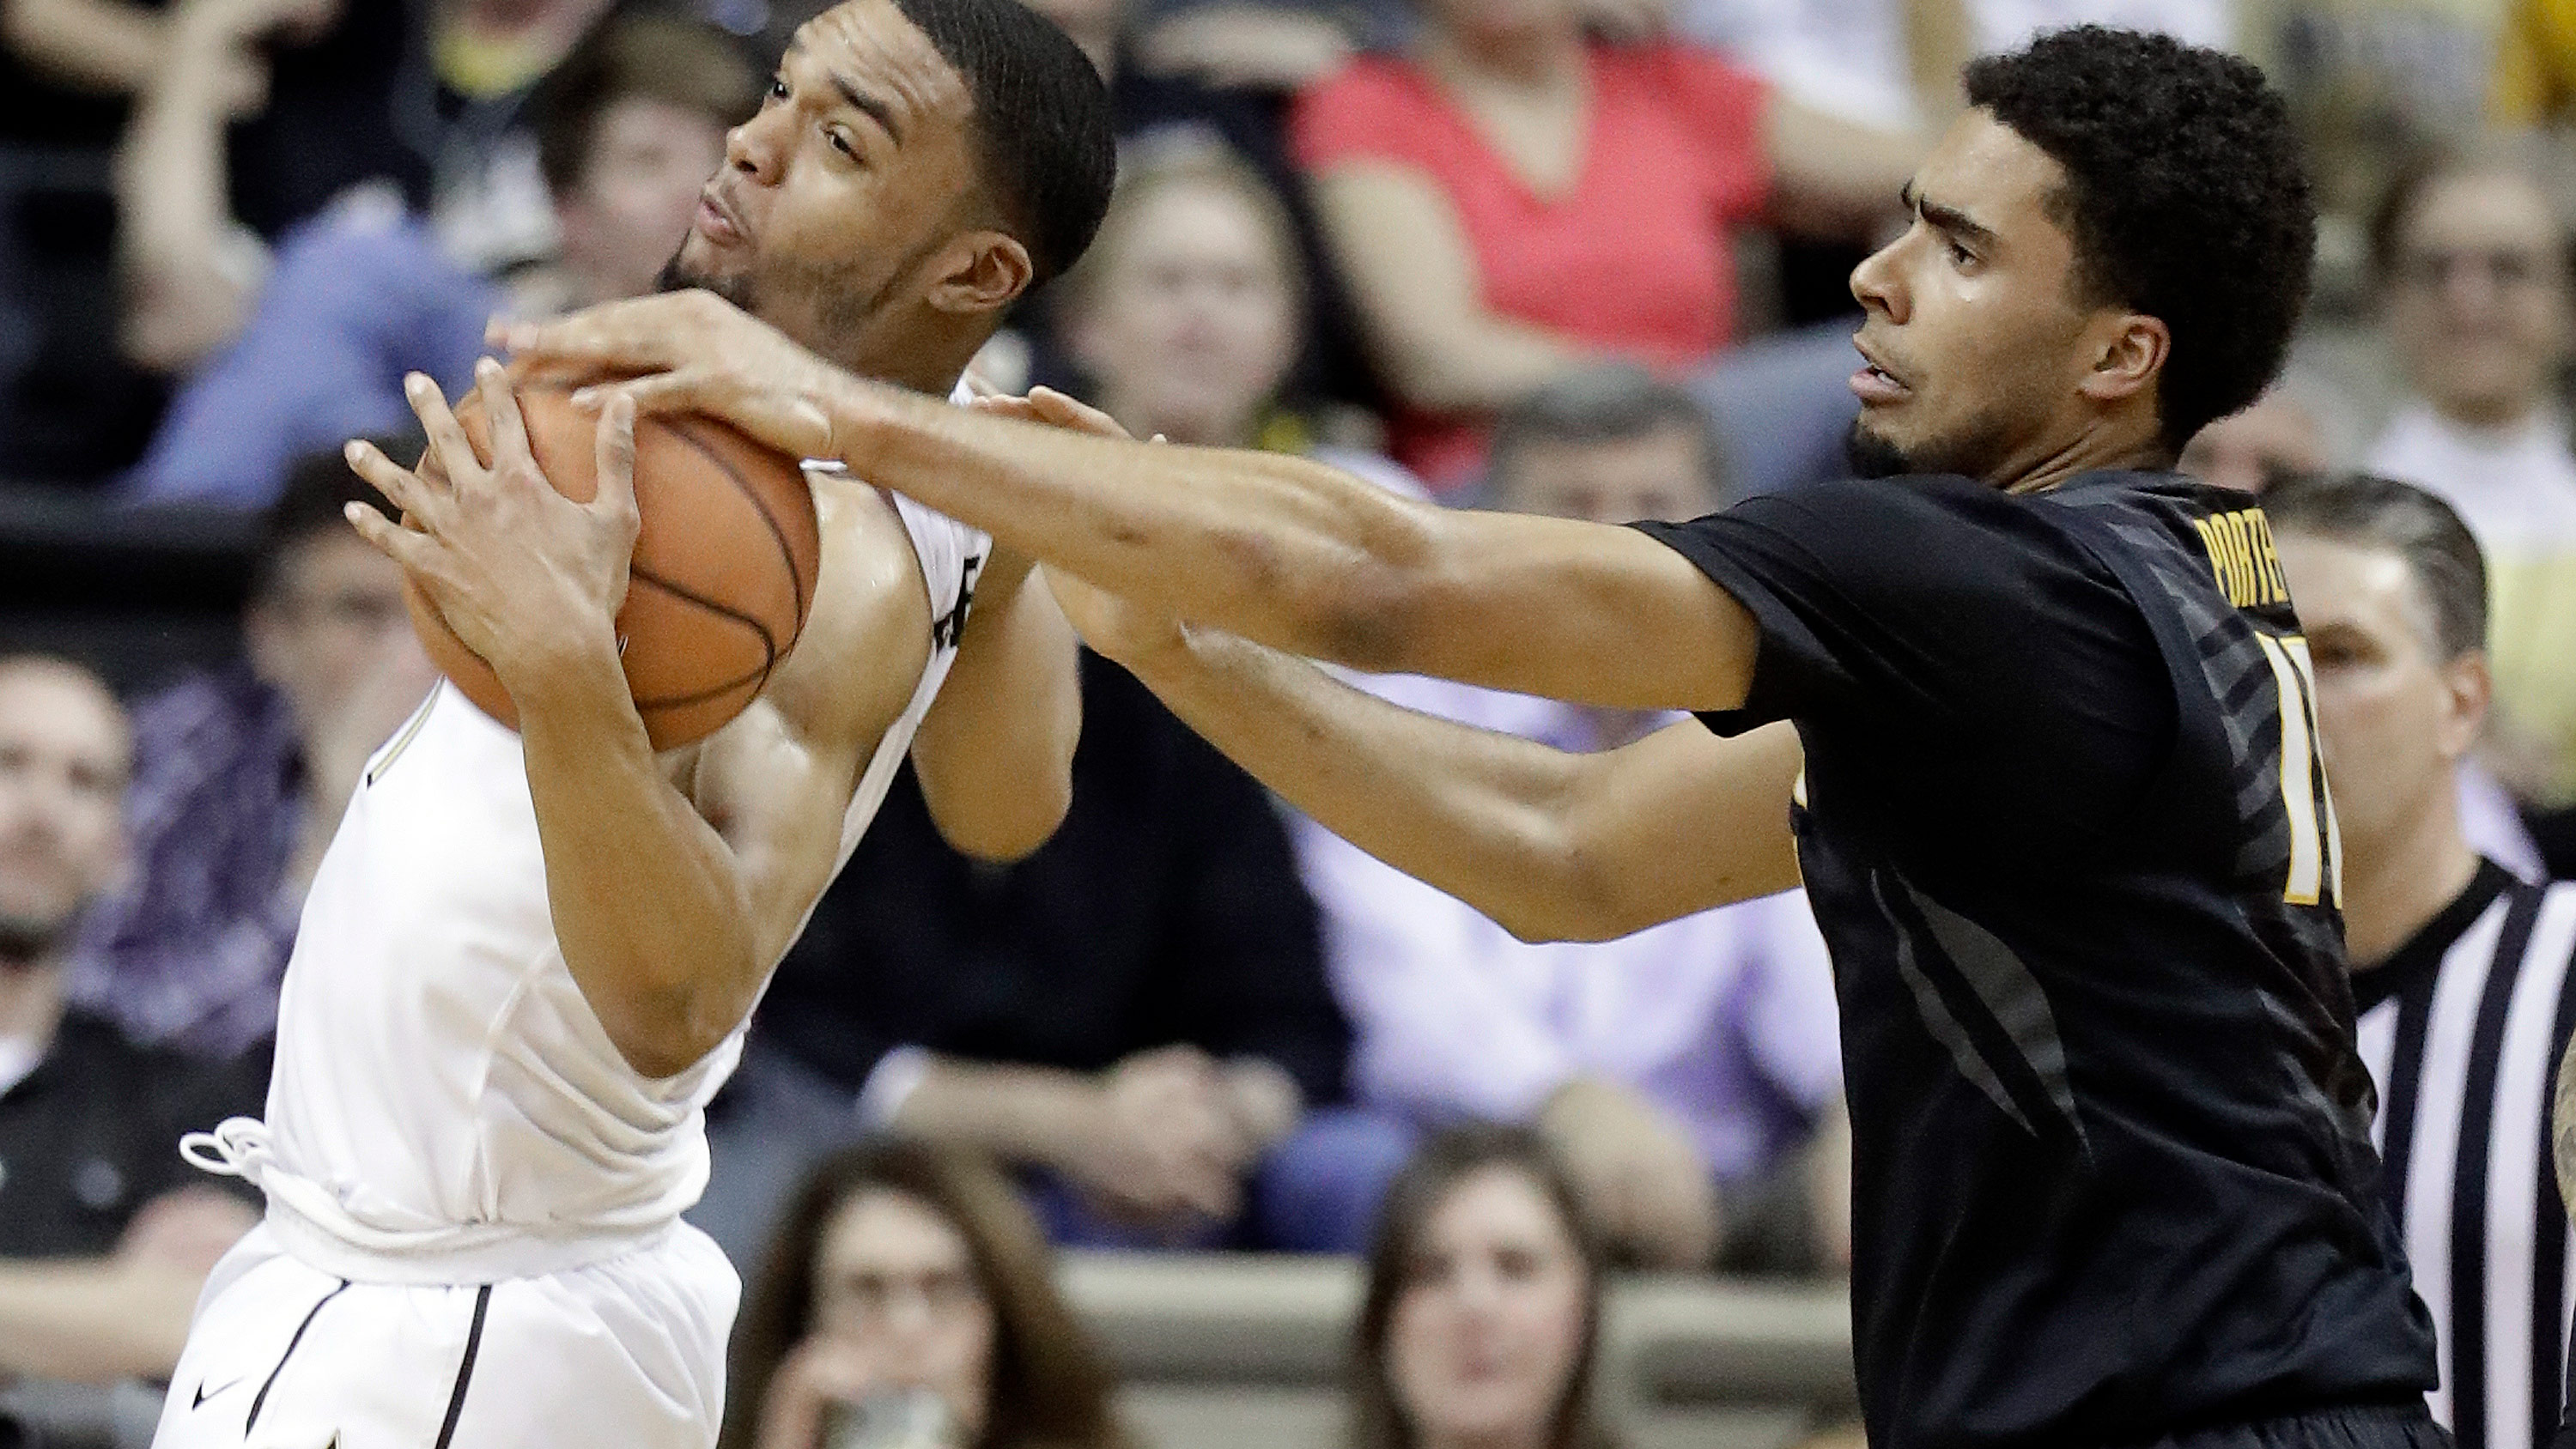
x=573 y=661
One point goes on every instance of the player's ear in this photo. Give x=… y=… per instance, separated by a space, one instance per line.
x=982 y=271
x=2130 y=353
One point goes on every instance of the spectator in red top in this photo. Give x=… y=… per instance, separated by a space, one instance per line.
x=1512 y=200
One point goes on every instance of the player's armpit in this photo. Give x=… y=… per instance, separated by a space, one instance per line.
x=995 y=754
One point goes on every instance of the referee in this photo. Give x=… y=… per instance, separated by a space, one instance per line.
x=2460 y=971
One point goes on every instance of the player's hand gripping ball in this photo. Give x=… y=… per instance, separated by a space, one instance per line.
x=722 y=577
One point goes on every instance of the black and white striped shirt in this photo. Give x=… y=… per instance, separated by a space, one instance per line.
x=2462 y=1028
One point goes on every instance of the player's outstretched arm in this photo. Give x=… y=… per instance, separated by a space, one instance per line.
x=647 y=902
x=1552 y=845
x=995 y=754
x=1282 y=550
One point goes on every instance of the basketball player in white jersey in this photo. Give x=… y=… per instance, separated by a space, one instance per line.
x=526 y=961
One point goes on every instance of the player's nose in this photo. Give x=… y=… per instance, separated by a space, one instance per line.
x=755 y=147
x=1875 y=284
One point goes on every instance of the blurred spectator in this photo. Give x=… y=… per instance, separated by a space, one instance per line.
x=1179 y=109
x=1894 y=64
x=440 y=120
x=2369 y=81
x=2476 y=265
x=1678 y=1072
x=908 y=1283
x=1510 y=200
x=2251 y=450
x=104 y=1238
x=242 y=775
x=2393 y=600
x=295 y=92
x=1483 y=1307
x=633 y=126
x=1185 y=315
x=190 y=272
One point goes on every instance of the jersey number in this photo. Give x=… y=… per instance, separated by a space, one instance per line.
x=2316 y=850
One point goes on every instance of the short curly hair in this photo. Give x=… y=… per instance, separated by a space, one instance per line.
x=2186 y=198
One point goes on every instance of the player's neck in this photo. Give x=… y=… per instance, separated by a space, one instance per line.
x=2392 y=888
x=2092 y=453
x=31 y=999
x=928 y=369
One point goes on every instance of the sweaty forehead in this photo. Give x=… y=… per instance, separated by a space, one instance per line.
x=874 y=47
x=1993 y=174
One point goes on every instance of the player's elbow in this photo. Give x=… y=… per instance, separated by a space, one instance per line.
x=667 y=1046
x=1565 y=908
x=1016 y=825
x=664 y=1026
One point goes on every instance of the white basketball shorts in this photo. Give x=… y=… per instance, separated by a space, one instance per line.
x=626 y=1352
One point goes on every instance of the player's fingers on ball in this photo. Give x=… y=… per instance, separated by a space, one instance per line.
x=401 y=487
x=509 y=430
x=668 y=392
x=614 y=456
x=387 y=537
x=447 y=442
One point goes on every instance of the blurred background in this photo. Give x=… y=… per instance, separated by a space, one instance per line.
x=1199 y=1127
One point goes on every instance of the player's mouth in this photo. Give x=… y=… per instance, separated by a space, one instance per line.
x=716 y=219
x=1874 y=385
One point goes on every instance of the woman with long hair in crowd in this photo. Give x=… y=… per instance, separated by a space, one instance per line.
x=908 y=1298
x=1484 y=1304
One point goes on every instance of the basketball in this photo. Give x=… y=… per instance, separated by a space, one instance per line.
x=723 y=572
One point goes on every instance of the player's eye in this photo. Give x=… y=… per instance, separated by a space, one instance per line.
x=777 y=89
x=841 y=142
x=1959 y=255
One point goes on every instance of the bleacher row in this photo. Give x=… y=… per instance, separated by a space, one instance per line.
x=1251 y=1351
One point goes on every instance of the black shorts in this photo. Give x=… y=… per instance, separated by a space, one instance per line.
x=2375 y=1426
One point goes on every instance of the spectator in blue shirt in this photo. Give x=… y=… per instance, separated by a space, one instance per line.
x=629 y=130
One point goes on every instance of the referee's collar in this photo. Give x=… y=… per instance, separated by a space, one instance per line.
x=2420 y=959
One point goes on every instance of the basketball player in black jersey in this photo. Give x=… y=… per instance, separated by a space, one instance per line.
x=2049 y=738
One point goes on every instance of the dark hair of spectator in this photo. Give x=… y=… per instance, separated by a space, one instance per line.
x=1610 y=402
x=2186 y=199
x=1378 y=1419
x=2416 y=178
x=1192 y=163
x=680 y=63
x=319 y=488
x=1042 y=130
x=2360 y=509
x=1049 y=1388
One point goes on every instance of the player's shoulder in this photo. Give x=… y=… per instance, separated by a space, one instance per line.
x=1920 y=513
x=871 y=611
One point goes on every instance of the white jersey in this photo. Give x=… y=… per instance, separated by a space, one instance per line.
x=446 y=1107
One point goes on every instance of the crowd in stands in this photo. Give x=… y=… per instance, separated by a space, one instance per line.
x=1582 y=258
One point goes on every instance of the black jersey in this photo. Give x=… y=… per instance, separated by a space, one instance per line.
x=2065 y=830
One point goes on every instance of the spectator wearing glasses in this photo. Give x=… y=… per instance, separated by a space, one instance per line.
x=2475 y=263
